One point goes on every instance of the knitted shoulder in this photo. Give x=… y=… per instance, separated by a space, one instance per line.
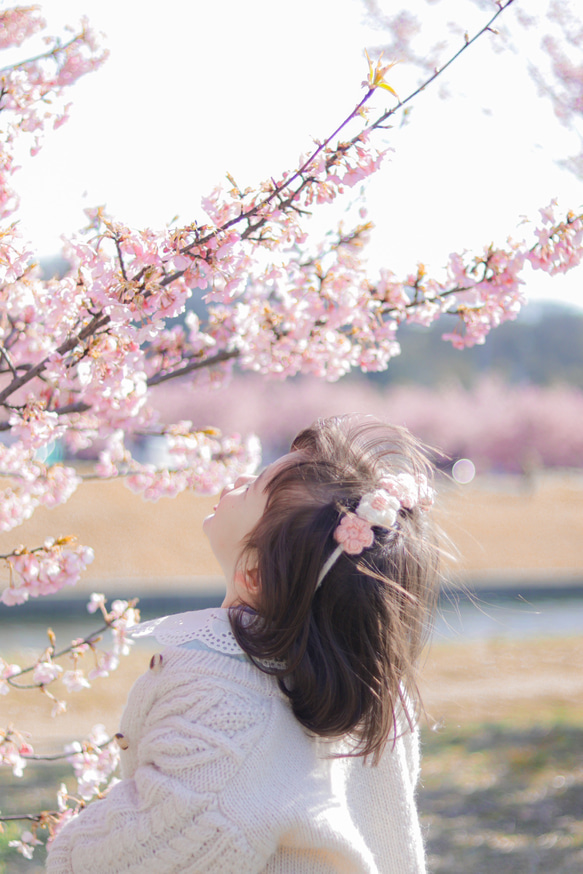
x=201 y=684
x=201 y=707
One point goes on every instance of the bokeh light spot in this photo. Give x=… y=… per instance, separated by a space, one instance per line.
x=464 y=471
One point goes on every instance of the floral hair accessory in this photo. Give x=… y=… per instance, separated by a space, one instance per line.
x=354 y=534
x=409 y=490
x=381 y=507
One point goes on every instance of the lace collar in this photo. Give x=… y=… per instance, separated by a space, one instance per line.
x=211 y=626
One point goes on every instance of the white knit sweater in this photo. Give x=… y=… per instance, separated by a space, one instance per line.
x=219 y=776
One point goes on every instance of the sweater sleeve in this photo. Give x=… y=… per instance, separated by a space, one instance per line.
x=188 y=735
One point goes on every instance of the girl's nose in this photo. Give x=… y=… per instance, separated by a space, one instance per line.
x=240 y=481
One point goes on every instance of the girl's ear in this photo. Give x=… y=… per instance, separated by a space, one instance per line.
x=252 y=581
x=248 y=580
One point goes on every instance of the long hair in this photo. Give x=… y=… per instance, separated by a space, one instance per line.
x=344 y=652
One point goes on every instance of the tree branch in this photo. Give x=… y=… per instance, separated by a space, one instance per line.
x=341 y=149
x=92 y=638
x=96 y=322
x=194 y=365
x=45 y=55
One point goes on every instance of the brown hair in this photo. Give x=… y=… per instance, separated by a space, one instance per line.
x=345 y=652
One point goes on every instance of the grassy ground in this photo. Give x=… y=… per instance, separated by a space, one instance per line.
x=504 y=798
x=502 y=775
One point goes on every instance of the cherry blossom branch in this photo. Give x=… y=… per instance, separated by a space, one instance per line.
x=468 y=42
x=59 y=47
x=59 y=756
x=97 y=321
x=281 y=192
x=194 y=365
x=88 y=641
x=156 y=379
x=341 y=149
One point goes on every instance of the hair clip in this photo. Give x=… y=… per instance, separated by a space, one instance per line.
x=354 y=532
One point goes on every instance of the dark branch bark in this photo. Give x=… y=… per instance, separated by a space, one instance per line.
x=194 y=365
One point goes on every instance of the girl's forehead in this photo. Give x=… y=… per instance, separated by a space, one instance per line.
x=276 y=466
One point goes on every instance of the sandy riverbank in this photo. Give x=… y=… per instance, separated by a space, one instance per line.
x=502 y=527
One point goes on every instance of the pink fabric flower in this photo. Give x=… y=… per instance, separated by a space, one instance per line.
x=354 y=534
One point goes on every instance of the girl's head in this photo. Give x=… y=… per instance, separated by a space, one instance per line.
x=345 y=627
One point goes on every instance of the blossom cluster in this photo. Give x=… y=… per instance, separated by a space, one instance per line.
x=559 y=244
x=94 y=762
x=31 y=92
x=14 y=747
x=30 y=483
x=44 y=570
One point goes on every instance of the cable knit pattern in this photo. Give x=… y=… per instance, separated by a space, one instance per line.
x=220 y=778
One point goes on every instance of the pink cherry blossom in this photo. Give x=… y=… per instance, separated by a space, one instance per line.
x=96 y=602
x=25 y=844
x=58 y=708
x=74 y=680
x=6 y=671
x=46 y=672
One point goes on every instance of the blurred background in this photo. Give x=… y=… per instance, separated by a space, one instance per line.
x=197 y=91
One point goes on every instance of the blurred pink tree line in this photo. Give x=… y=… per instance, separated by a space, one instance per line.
x=500 y=427
x=86 y=359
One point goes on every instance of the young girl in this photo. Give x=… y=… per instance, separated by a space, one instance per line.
x=277 y=733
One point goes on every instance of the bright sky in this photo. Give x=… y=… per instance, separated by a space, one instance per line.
x=194 y=89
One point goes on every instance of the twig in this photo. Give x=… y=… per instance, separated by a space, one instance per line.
x=38 y=758
x=194 y=365
x=436 y=73
x=45 y=55
x=120 y=257
x=8 y=360
x=89 y=640
x=298 y=174
x=97 y=321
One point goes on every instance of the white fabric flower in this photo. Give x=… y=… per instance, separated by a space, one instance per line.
x=379 y=508
x=409 y=490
